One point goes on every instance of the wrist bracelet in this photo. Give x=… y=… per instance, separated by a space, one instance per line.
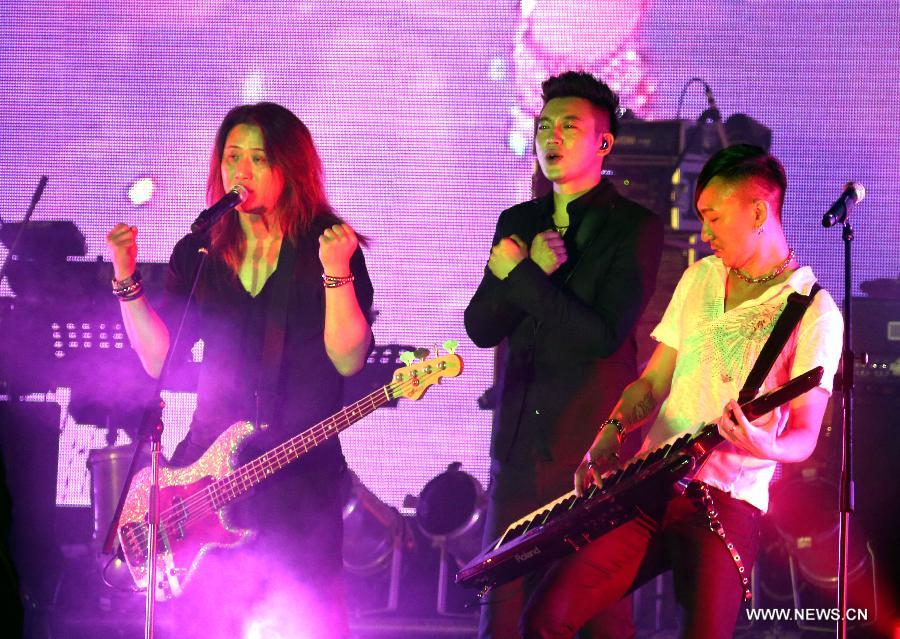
x=132 y=296
x=330 y=281
x=620 y=429
x=134 y=278
x=130 y=288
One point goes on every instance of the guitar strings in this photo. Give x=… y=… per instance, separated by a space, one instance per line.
x=216 y=489
x=209 y=494
x=174 y=514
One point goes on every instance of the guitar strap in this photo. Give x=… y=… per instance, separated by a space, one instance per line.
x=787 y=321
x=698 y=490
x=273 y=338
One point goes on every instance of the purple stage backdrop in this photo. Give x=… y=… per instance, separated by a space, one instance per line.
x=422 y=111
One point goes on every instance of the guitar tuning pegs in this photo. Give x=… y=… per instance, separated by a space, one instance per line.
x=422 y=354
x=407 y=357
x=450 y=346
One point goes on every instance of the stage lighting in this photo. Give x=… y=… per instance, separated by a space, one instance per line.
x=497 y=69
x=450 y=511
x=518 y=143
x=141 y=191
x=804 y=511
x=375 y=538
x=252 y=87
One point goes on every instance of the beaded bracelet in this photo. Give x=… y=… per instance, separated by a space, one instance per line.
x=131 y=288
x=330 y=281
x=620 y=429
x=132 y=296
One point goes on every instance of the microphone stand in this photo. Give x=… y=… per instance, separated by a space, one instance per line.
x=709 y=116
x=847 y=498
x=151 y=430
x=35 y=198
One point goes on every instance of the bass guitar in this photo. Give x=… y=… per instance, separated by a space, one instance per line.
x=192 y=498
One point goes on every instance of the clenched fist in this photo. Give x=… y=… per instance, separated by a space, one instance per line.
x=336 y=246
x=506 y=255
x=123 y=250
x=548 y=250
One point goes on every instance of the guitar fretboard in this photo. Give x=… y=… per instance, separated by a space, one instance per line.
x=232 y=486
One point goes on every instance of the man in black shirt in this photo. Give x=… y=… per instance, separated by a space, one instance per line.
x=268 y=261
x=568 y=277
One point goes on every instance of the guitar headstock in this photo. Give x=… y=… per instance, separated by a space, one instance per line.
x=415 y=378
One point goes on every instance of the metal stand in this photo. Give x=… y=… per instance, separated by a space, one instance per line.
x=151 y=430
x=35 y=198
x=445 y=576
x=152 y=527
x=847 y=489
x=711 y=115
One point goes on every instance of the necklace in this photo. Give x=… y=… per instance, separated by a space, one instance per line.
x=778 y=270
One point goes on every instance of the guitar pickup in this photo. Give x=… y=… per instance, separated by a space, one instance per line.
x=180 y=517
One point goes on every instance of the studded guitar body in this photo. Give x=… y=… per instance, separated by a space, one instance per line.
x=192 y=499
x=193 y=524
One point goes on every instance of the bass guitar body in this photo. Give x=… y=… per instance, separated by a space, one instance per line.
x=192 y=520
x=192 y=499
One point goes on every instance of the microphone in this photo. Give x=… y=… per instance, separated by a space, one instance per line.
x=39 y=191
x=712 y=114
x=853 y=194
x=210 y=216
x=712 y=110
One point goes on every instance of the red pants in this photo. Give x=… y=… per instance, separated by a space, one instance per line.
x=707 y=583
x=516 y=490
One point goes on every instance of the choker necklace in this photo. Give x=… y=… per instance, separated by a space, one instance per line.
x=778 y=270
x=561 y=229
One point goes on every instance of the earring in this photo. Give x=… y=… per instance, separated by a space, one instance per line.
x=760 y=229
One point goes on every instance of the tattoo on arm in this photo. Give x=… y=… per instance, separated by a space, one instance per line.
x=642 y=408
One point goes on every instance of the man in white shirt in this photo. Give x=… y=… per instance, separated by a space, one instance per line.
x=720 y=316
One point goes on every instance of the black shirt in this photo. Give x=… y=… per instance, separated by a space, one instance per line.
x=571 y=347
x=232 y=324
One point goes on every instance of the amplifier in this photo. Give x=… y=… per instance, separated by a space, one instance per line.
x=680 y=250
x=653 y=182
x=876 y=326
x=664 y=138
x=879 y=375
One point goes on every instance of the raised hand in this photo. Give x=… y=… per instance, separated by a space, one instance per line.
x=336 y=246
x=506 y=255
x=548 y=250
x=122 y=244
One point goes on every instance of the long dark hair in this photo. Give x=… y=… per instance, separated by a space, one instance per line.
x=289 y=148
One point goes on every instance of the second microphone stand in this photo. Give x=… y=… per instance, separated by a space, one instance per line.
x=848 y=359
x=847 y=494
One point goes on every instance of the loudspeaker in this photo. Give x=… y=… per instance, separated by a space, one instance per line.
x=804 y=512
x=29 y=439
x=9 y=578
x=877 y=449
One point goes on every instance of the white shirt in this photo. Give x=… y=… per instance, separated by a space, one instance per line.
x=716 y=351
